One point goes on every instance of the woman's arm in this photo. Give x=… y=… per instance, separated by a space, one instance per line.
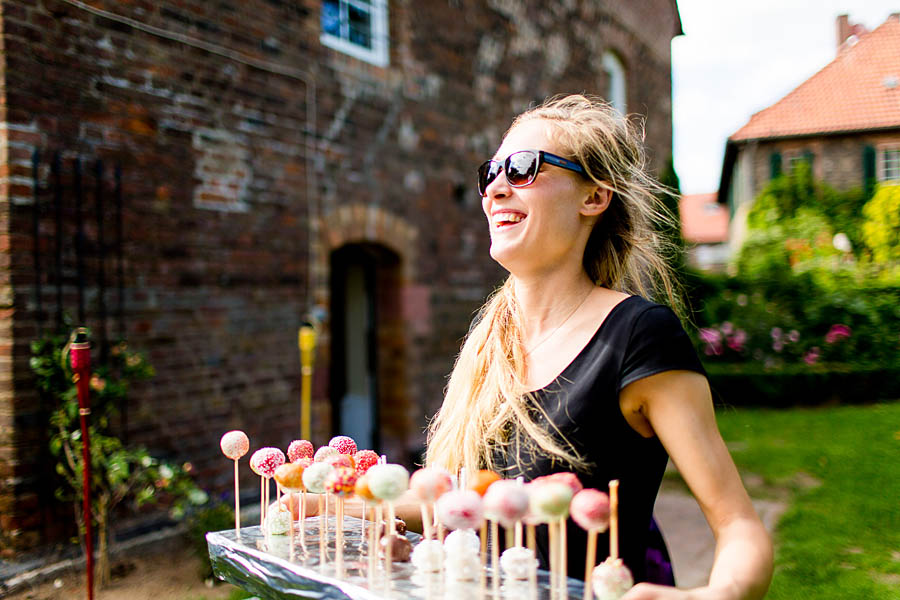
x=406 y=507
x=678 y=407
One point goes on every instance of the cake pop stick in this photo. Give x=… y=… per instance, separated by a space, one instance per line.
x=590 y=510
x=428 y=485
x=364 y=459
x=388 y=482
x=549 y=502
x=611 y=578
x=235 y=444
x=341 y=482
x=290 y=477
x=563 y=554
x=264 y=462
x=314 y=477
x=480 y=483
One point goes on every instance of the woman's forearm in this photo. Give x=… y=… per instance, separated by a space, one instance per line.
x=743 y=564
x=405 y=507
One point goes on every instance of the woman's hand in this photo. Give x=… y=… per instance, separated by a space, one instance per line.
x=312 y=504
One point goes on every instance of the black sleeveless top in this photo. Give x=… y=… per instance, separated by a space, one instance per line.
x=637 y=339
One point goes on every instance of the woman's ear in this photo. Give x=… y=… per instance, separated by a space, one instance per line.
x=596 y=202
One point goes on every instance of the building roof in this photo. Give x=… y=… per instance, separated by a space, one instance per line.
x=703 y=220
x=859 y=90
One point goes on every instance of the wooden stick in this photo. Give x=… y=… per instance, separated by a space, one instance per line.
x=590 y=562
x=373 y=547
x=339 y=537
x=554 y=559
x=302 y=519
x=563 y=557
x=426 y=522
x=237 y=500
x=483 y=536
x=362 y=531
x=518 y=533
x=495 y=557
x=508 y=534
x=323 y=527
x=262 y=502
x=614 y=519
x=392 y=527
x=327 y=495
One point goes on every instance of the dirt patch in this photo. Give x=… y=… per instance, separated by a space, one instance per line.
x=172 y=574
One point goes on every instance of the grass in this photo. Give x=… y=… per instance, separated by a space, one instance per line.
x=839 y=470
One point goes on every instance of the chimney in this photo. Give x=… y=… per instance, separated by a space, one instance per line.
x=843 y=29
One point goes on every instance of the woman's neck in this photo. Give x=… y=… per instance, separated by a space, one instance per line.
x=548 y=299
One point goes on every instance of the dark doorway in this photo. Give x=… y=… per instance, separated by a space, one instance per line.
x=359 y=275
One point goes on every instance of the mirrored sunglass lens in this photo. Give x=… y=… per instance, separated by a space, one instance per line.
x=521 y=168
x=486 y=174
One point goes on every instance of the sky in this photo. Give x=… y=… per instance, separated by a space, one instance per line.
x=737 y=58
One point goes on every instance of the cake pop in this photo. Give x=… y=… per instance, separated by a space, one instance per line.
x=278 y=522
x=343 y=444
x=428 y=485
x=549 y=501
x=234 y=445
x=364 y=460
x=590 y=509
x=428 y=556
x=518 y=562
x=324 y=452
x=570 y=479
x=506 y=501
x=290 y=477
x=395 y=547
x=300 y=449
x=388 y=481
x=611 y=579
x=461 y=509
x=482 y=480
x=263 y=462
x=341 y=460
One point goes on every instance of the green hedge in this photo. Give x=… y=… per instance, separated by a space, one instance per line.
x=751 y=384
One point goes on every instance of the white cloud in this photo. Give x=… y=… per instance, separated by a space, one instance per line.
x=737 y=58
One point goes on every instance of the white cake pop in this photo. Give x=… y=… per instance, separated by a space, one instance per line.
x=461 y=541
x=462 y=566
x=278 y=522
x=428 y=556
x=611 y=579
x=518 y=562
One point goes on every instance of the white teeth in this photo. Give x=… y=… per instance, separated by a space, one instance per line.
x=501 y=218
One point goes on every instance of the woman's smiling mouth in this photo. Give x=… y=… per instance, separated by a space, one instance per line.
x=502 y=219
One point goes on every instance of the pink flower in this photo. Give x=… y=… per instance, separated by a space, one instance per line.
x=836 y=333
x=793 y=336
x=713 y=339
x=777 y=345
x=812 y=357
x=726 y=328
x=776 y=333
x=736 y=341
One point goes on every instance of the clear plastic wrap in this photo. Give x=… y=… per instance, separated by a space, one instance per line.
x=270 y=568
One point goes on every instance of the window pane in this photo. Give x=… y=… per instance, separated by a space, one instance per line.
x=331 y=17
x=360 y=26
x=892 y=164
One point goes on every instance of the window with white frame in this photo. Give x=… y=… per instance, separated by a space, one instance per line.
x=615 y=80
x=358 y=28
x=890 y=164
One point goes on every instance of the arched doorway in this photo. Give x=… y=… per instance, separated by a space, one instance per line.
x=365 y=282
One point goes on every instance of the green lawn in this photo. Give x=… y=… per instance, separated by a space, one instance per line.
x=839 y=470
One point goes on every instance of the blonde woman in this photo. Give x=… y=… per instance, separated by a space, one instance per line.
x=571 y=366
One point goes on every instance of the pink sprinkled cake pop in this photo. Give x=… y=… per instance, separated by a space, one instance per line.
x=343 y=444
x=300 y=449
x=590 y=509
x=324 y=452
x=461 y=509
x=429 y=484
x=235 y=444
x=364 y=460
x=265 y=460
x=341 y=460
x=506 y=502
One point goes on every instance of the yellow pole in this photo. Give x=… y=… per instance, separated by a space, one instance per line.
x=306 y=340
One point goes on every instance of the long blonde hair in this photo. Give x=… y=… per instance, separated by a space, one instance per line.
x=487 y=404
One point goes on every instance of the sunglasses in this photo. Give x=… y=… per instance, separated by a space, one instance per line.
x=521 y=168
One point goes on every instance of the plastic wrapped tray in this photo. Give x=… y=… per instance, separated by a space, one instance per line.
x=271 y=568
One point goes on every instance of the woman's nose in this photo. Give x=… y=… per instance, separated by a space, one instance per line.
x=499 y=187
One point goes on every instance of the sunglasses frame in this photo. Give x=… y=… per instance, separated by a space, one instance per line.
x=542 y=157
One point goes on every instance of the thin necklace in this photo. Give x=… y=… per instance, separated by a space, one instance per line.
x=558 y=327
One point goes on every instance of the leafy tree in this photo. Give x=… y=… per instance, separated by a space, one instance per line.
x=881 y=227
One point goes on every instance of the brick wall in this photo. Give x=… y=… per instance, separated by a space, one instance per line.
x=249 y=151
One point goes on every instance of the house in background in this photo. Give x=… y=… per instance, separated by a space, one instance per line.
x=704 y=228
x=844 y=121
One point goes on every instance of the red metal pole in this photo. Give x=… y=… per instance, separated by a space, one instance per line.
x=80 y=358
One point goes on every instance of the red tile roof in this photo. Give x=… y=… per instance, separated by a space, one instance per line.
x=858 y=90
x=703 y=220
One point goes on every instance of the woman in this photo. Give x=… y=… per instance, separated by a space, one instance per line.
x=569 y=368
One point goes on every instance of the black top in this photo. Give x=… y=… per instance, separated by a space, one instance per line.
x=637 y=339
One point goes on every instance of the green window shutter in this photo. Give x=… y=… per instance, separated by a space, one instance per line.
x=868 y=168
x=774 y=165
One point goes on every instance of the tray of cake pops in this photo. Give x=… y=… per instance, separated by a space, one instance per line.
x=370 y=555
